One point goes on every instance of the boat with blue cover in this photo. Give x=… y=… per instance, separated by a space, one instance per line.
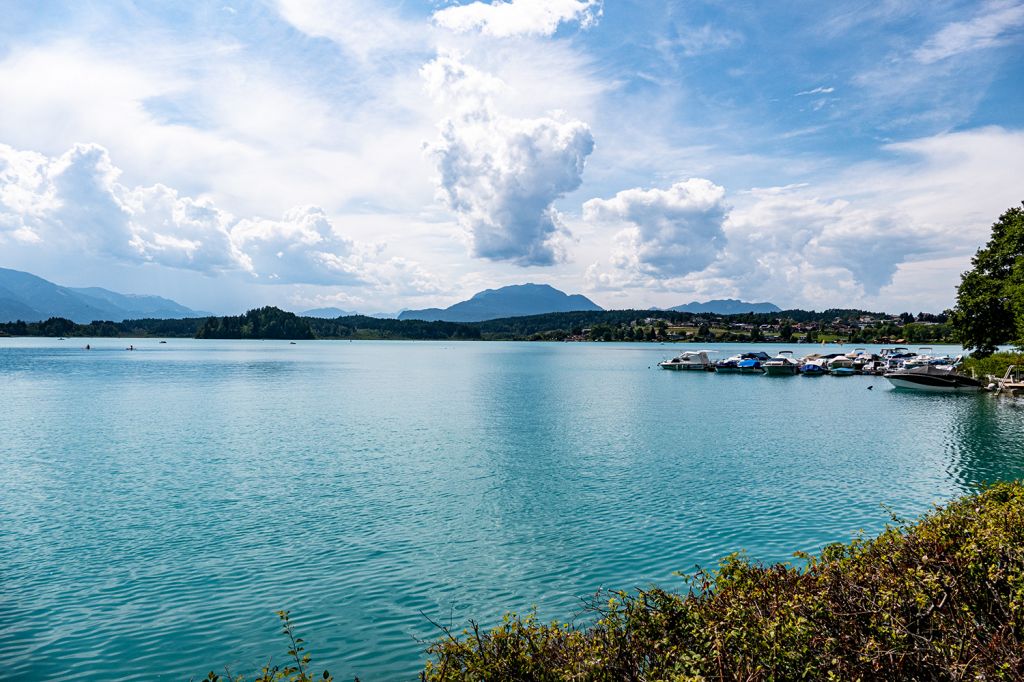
x=813 y=368
x=732 y=364
x=750 y=366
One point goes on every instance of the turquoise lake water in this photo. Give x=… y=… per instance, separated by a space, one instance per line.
x=159 y=505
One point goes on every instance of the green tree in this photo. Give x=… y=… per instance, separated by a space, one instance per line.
x=990 y=299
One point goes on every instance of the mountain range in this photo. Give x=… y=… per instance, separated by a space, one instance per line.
x=511 y=301
x=330 y=313
x=24 y=296
x=726 y=306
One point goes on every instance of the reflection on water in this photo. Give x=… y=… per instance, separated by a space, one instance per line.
x=984 y=443
x=160 y=504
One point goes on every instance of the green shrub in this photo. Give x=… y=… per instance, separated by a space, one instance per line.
x=299 y=668
x=942 y=599
x=994 y=364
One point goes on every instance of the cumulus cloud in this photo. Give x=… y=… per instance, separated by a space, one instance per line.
x=502 y=175
x=176 y=231
x=75 y=202
x=787 y=238
x=301 y=247
x=518 y=17
x=21 y=199
x=782 y=241
x=665 y=233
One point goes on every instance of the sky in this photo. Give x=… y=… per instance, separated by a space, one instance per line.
x=378 y=156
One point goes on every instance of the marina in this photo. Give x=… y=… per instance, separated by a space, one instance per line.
x=924 y=370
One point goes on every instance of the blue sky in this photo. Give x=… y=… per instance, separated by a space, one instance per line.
x=385 y=155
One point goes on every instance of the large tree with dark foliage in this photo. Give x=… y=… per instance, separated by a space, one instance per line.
x=990 y=299
x=261 y=323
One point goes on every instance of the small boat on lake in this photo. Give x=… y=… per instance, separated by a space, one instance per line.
x=813 y=368
x=692 y=360
x=729 y=365
x=750 y=366
x=841 y=366
x=875 y=367
x=934 y=379
x=782 y=364
x=732 y=364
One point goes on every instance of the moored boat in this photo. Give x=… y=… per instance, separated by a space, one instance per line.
x=841 y=366
x=750 y=366
x=812 y=368
x=782 y=364
x=933 y=379
x=732 y=364
x=692 y=360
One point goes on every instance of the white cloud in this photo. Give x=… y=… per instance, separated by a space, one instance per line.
x=74 y=204
x=820 y=90
x=501 y=19
x=698 y=40
x=664 y=233
x=815 y=249
x=302 y=247
x=225 y=126
x=998 y=23
x=502 y=175
x=362 y=28
x=22 y=199
x=779 y=242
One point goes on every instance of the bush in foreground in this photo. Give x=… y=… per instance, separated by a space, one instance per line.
x=938 y=599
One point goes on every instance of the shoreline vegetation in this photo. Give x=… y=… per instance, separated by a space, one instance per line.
x=994 y=365
x=791 y=326
x=941 y=597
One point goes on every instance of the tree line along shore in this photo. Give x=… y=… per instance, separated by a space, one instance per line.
x=792 y=326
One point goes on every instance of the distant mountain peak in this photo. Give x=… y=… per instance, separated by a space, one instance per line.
x=515 y=300
x=726 y=306
x=27 y=297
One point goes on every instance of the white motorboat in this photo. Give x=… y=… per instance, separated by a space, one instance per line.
x=693 y=360
x=782 y=364
x=934 y=379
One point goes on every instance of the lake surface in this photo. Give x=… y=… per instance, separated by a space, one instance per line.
x=159 y=505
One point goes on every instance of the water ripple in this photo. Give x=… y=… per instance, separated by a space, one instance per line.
x=160 y=505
